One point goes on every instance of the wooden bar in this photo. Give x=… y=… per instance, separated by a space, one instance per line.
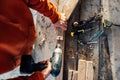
x=89 y=70
x=67 y=7
x=75 y=75
x=72 y=75
x=85 y=70
x=82 y=70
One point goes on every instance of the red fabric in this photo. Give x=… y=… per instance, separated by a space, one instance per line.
x=17 y=31
x=35 y=76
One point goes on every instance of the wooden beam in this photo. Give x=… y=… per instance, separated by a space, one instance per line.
x=72 y=75
x=67 y=7
x=70 y=72
x=85 y=70
x=89 y=70
x=82 y=70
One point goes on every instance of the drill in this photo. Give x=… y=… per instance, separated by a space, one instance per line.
x=28 y=66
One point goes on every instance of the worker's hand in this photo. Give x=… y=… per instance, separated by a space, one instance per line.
x=47 y=70
x=62 y=22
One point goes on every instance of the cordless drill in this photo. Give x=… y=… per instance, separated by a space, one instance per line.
x=28 y=66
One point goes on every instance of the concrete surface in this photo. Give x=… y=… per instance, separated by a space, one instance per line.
x=114 y=48
x=111 y=12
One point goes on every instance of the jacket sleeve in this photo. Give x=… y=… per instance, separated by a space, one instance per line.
x=45 y=7
x=35 y=76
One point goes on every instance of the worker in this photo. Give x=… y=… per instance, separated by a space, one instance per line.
x=17 y=33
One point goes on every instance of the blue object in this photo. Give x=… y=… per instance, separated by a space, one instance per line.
x=96 y=35
x=56 y=61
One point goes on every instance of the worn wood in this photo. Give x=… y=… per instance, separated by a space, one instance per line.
x=67 y=7
x=82 y=12
x=82 y=70
x=70 y=48
x=85 y=70
x=89 y=70
x=72 y=75
x=75 y=75
x=88 y=9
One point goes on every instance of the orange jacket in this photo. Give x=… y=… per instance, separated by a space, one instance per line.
x=35 y=76
x=17 y=31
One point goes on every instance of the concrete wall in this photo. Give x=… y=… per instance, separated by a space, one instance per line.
x=111 y=12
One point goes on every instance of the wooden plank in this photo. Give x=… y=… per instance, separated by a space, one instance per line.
x=72 y=75
x=70 y=49
x=85 y=70
x=88 y=9
x=89 y=70
x=67 y=7
x=82 y=70
x=75 y=75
